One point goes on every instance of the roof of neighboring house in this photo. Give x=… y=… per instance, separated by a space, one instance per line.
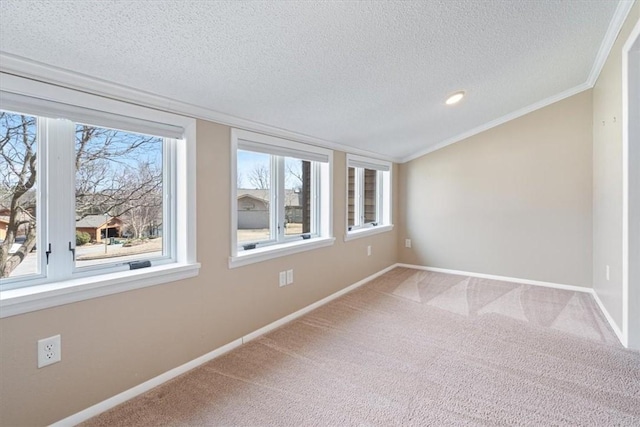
x=256 y=194
x=293 y=198
x=93 y=221
x=249 y=196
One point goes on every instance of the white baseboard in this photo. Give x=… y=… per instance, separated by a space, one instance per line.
x=502 y=278
x=305 y=310
x=574 y=288
x=160 y=379
x=612 y=323
x=107 y=404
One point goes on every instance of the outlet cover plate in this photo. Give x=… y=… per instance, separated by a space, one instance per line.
x=283 y=278
x=49 y=351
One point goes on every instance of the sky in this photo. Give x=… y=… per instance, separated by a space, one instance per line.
x=248 y=160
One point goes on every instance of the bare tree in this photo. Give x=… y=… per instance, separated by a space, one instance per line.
x=110 y=173
x=18 y=145
x=293 y=182
x=260 y=177
x=293 y=174
x=239 y=180
x=144 y=210
x=116 y=173
x=297 y=192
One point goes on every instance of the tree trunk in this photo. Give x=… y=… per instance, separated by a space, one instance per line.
x=8 y=261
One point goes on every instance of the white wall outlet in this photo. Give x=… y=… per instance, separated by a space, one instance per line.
x=407 y=243
x=283 y=278
x=608 y=274
x=289 y=277
x=49 y=351
x=369 y=250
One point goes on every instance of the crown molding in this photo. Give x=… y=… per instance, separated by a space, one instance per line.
x=615 y=25
x=23 y=67
x=26 y=68
x=497 y=122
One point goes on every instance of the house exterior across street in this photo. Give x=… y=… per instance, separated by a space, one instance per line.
x=253 y=208
x=99 y=226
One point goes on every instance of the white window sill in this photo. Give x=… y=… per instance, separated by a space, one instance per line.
x=32 y=298
x=365 y=232
x=275 y=251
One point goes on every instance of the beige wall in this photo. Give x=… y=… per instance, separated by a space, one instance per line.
x=512 y=201
x=607 y=175
x=113 y=343
x=515 y=201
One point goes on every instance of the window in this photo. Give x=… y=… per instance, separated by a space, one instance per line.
x=281 y=202
x=120 y=196
x=368 y=196
x=86 y=195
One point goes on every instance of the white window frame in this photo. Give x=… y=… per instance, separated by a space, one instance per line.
x=321 y=188
x=384 y=196
x=56 y=285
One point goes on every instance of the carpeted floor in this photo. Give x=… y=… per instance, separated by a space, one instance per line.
x=414 y=348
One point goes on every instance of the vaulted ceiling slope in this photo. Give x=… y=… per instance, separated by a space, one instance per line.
x=370 y=76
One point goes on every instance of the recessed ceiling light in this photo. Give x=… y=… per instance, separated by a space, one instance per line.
x=455 y=98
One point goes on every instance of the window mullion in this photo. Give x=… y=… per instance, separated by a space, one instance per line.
x=273 y=199
x=168 y=194
x=360 y=193
x=380 y=197
x=280 y=210
x=41 y=213
x=60 y=196
x=315 y=199
x=356 y=198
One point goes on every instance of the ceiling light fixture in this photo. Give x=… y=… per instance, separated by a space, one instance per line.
x=455 y=98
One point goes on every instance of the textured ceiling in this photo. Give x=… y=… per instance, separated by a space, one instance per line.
x=369 y=75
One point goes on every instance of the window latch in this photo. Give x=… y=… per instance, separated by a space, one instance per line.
x=73 y=251
x=134 y=265
x=48 y=252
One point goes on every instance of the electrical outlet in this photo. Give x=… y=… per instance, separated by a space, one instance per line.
x=283 y=278
x=407 y=243
x=289 y=277
x=608 y=275
x=369 y=250
x=49 y=351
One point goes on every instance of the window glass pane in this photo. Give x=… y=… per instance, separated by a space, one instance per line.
x=254 y=197
x=370 y=199
x=18 y=196
x=297 y=197
x=119 y=196
x=351 y=208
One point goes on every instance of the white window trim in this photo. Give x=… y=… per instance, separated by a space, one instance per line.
x=37 y=297
x=367 y=231
x=278 y=250
x=324 y=235
x=384 y=208
x=32 y=298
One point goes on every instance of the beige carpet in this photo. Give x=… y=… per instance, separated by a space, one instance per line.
x=414 y=348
